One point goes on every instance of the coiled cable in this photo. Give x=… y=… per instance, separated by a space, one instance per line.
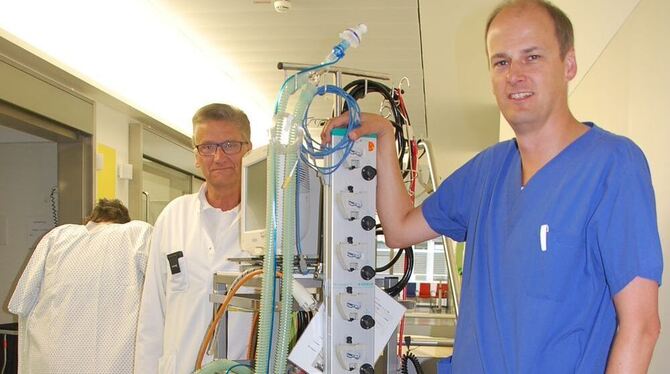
x=406 y=359
x=54 y=210
x=359 y=90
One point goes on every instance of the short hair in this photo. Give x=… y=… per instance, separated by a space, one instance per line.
x=222 y=112
x=562 y=25
x=109 y=210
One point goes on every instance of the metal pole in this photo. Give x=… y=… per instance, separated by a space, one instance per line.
x=431 y=343
x=338 y=98
x=334 y=69
x=454 y=283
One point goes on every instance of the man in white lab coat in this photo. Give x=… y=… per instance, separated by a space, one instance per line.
x=78 y=297
x=194 y=237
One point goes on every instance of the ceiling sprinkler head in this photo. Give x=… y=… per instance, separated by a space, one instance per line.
x=282 y=6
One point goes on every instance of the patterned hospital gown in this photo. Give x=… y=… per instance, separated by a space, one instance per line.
x=78 y=299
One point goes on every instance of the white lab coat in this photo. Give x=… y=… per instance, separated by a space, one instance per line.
x=176 y=310
x=78 y=299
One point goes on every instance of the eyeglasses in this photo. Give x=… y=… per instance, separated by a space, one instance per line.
x=229 y=147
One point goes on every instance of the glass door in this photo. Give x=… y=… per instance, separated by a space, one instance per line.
x=160 y=185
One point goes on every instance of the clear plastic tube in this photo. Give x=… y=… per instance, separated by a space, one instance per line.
x=268 y=284
x=283 y=154
x=288 y=249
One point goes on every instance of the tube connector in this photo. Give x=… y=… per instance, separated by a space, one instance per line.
x=349 y=37
x=303 y=297
x=354 y=34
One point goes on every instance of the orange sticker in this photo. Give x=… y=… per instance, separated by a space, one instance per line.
x=371 y=146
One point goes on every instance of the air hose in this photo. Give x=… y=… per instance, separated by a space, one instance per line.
x=282 y=159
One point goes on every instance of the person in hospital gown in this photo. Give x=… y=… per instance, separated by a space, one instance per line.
x=78 y=298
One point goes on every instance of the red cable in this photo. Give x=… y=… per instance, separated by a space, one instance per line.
x=414 y=160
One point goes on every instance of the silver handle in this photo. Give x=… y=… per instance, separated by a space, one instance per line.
x=146 y=205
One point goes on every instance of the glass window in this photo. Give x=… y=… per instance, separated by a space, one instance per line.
x=160 y=185
x=429 y=262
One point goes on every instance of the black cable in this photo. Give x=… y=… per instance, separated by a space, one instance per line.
x=54 y=210
x=406 y=359
x=402 y=283
x=302 y=322
x=424 y=150
x=392 y=262
x=358 y=89
x=305 y=322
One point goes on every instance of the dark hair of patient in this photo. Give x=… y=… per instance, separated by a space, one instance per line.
x=109 y=210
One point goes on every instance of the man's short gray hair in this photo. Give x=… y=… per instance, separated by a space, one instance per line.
x=222 y=112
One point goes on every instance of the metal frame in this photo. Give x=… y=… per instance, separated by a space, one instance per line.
x=449 y=255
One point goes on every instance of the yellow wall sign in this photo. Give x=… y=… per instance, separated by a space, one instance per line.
x=105 y=175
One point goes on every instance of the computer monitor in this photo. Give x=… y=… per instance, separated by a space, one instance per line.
x=254 y=205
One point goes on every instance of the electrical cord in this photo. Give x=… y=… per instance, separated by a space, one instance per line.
x=397 y=288
x=219 y=313
x=413 y=167
x=360 y=88
x=4 y=353
x=54 y=210
x=392 y=262
x=406 y=359
x=305 y=318
x=253 y=337
x=233 y=284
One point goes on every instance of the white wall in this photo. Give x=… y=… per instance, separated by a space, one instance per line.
x=626 y=91
x=28 y=171
x=462 y=116
x=111 y=129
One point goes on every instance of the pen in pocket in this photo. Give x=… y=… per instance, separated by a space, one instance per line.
x=544 y=229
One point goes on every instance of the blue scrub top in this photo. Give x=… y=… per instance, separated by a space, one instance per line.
x=544 y=261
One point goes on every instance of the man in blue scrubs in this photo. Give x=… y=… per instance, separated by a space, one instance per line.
x=564 y=260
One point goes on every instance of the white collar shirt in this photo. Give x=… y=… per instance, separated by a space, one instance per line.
x=176 y=310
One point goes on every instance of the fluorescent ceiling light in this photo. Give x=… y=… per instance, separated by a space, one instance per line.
x=130 y=50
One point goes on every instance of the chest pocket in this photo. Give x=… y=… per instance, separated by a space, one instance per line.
x=553 y=272
x=178 y=282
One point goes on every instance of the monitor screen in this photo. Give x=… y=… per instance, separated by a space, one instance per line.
x=254 y=200
x=256 y=204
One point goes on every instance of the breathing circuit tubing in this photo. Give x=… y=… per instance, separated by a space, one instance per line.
x=285 y=149
x=312 y=150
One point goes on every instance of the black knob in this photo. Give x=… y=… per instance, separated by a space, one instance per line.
x=368 y=173
x=368 y=223
x=367 y=369
x=349 y=289
x=367 y=322
x=350 y=240
x=349 y=340
x=368 y=272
